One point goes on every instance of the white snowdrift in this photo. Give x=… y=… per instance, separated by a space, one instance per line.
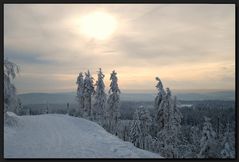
x=63 y=136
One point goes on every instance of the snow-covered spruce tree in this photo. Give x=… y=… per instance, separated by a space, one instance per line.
x=80 y=94
x=194 y=141
x=158 y=119
x=141 y=125
x=145 y=124
x=169 y=132
x=227 y=150
x=88 y=92
x=177 y=116
x=10 y=98
x=135 y=130
x=162 y=114
x=100 y=99
x=208 y=144
x=113 y=104
x=180 y=144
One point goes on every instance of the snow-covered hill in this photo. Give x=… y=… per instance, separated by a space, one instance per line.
x=63 y=136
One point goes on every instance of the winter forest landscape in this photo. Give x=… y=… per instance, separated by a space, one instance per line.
x=119 y=81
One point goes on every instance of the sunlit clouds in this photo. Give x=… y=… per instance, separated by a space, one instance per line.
x=187 y=46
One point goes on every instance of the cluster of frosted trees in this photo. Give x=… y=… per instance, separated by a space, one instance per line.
x=213 y=146
x=95 y=104
x=161 y=131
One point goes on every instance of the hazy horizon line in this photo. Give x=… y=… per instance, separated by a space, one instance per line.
x=146 y=91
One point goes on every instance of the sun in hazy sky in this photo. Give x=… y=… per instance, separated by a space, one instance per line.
x=188 y=45
x=97 y=25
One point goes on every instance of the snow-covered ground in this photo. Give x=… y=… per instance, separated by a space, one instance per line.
x=63 y=136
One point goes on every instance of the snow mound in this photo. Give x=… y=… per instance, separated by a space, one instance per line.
x=11 y=119
x=63 y=136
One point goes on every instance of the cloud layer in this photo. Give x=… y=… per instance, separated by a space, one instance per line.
x=187 y=46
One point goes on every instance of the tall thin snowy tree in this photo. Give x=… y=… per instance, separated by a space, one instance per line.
x=169 y=130
x=163 y=112
x=88 y=92
x=168 y=122
x=135 y=130
x=177 y=116
x=158 y=120
x=161 y=93
x=10 y=98
x=100 y=98
x=145 y=124
x=208 y=142
x=80 y=94
x=113 y=104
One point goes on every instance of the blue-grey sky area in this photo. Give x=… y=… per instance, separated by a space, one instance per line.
x=187 y=46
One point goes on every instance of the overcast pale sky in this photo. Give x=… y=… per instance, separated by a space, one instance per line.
x=187 y=46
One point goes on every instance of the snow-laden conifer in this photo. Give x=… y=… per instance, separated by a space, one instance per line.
x=10 y=98
x=80 y=94
x=145 y=124
x=160 y=94
x=207 y=142
x=141 y=124
x=88 y=92
x=135 y=130
x=169 y=121
x=113 y=104
x=177 y=116
x=98 y=110
x=158 y=111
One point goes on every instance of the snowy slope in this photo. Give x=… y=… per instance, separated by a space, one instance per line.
x=63 y=136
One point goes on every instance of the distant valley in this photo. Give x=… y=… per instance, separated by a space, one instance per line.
x=41 y=98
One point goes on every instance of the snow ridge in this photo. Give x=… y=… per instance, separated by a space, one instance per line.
x=63 y=136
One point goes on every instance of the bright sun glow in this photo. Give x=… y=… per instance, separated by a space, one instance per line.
x=98 y=25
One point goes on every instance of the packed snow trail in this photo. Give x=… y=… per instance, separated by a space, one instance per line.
x=63 y=136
